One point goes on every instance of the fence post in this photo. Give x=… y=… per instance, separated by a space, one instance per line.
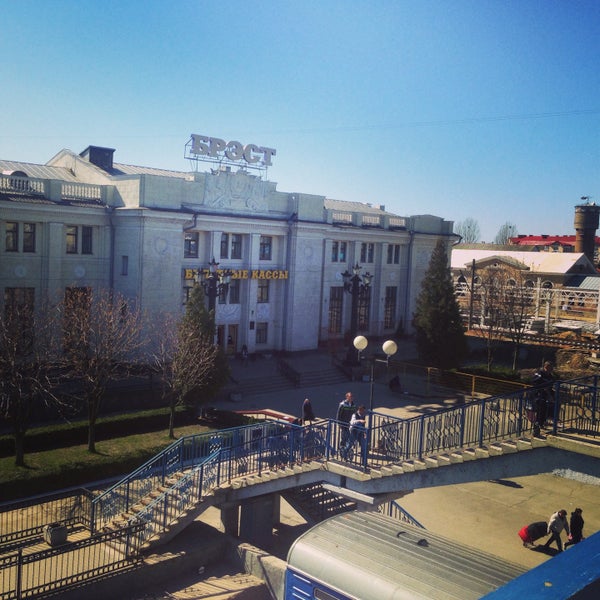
x=594 y=401
x=482 y=422
x=557 y=401
x=421 y=435
x=428 y=379
x=19 y=582
x=92 y=517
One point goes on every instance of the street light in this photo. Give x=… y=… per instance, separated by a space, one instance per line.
x=389 y=348
x=216 y=283
x=357 y=285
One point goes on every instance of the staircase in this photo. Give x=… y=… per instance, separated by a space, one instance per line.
x=314 y=503
x=228 y=587
x=277 y=382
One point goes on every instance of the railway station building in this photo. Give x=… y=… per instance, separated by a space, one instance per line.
x=85 y=221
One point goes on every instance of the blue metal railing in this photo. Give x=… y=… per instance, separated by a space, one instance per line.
x=394 y=510
x=190 y=467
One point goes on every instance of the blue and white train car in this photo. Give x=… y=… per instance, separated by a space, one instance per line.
x=570 y=575
x=369 y=556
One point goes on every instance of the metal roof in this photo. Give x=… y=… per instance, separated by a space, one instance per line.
x=584 y=282
x=558 y=263
x=37 y=171
x=370 y=556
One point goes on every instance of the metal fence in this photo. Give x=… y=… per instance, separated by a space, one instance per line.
x=189 y=469
x=45 y=572
x=26 y=519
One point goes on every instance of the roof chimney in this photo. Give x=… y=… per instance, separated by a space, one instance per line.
x=101 y=157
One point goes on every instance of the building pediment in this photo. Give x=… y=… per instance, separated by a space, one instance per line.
x=496 y=261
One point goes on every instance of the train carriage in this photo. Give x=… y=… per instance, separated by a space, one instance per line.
x=369 y=556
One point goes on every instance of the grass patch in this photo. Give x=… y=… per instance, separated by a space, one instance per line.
x=61 y=468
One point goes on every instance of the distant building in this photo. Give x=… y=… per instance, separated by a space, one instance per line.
x=559 y=286
x=585 y=239
x=84 y=221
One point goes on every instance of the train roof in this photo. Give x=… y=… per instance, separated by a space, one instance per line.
x=368 y=556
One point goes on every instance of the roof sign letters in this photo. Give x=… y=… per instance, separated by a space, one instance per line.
x=217 y=150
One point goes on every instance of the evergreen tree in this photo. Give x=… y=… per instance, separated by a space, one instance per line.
x=200 y=366
x=440 y=333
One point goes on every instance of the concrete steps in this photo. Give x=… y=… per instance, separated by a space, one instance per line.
x=229 y=587
x=314 y=503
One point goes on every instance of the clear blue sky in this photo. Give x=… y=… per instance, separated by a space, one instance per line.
x=461 y=108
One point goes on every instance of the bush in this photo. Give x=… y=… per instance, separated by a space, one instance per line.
x=64 y=435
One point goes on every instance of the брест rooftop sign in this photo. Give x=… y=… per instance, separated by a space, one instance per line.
x=216 y=148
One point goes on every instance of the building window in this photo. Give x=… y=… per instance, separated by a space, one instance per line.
x=231 y=244
x=124 y=265
x=262 y=330
x=367 y=252
x=72 y=239
x=364 y=303
x=263 y=291
x=86 y=240
x=18 y=314
x=336 y=305
x=190 y=244
x=187 y=293
x=338 y=252
x=224 y=245
x=389 y=309
x=234 y=291
x=266 y=247
x=28 y=237
x=71 y=236
x=12 y=237
x=393 y=254
x=236 y=245
x=78 y=302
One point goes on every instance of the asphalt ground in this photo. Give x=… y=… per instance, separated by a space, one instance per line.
x=485 y=515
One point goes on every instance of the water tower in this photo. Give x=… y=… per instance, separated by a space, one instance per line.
x=586 y=224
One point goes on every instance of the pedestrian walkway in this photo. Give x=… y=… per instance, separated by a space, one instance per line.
x=415 y=397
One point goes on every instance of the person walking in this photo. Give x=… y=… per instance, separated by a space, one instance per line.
x=358 y=432
x=542 y=380
x=558 y=522
x=308 y=416
x=344 y=414
x=576 y=525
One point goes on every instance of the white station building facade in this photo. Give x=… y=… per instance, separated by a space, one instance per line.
x=85 y=221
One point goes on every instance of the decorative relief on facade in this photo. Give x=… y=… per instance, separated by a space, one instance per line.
x=20 y=271
x=160 y=245
x=79 y=271
x=263 y=312
x=235 y=191
x=229 y=313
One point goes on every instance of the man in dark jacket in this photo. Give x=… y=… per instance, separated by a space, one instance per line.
x=576 y=525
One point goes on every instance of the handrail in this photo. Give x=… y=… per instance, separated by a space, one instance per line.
x=274 y=445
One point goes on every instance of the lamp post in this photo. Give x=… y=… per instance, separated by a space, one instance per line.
x=357 y=285
x=215 y=283
x=389 y=348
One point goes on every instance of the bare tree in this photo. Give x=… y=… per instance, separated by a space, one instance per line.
x=182 y=361
x=506 y=231
x=200 y=381
x=102 y=340
x=503 y=304
x=468 y=230
x=26 y=360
